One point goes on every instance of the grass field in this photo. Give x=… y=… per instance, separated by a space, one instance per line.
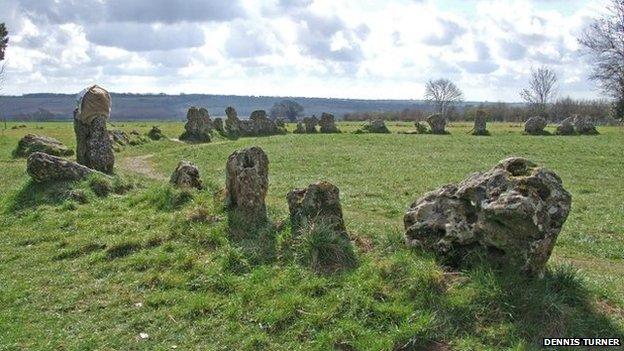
x=98 y=275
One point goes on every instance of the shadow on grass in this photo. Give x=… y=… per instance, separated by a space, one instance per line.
x=33 y=194
x=258 y=243
x=498 y=307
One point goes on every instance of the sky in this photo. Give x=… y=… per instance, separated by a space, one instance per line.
x=316 y=48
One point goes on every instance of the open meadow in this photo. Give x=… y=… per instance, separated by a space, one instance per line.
x=154 y=267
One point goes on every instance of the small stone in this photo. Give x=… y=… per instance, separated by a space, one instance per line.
x=38 y=143
x=535 y=126
x=437 y=122
x=375 y=126
x=186 y=175
x=584 y=126
x=318 y=203
x=144 y=336
x=566 y=127
x=155 y=133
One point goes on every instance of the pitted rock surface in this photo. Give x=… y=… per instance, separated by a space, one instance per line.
x=512 y=214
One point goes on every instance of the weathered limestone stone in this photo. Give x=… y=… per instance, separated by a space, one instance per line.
x=232 y=122
x=247 y=182
x=38 y=143
x=218 y=124
x=318 y=203
x=186 y=175
x=94 y=148
x=155 y=133
x=374 y=126
x=584 y=126
x=566 y=127
x=437 y=123
x=43 y=167
x=421 y=128
x=480 y=124
x=310 y=124
x=198 y=125
x=535 y=126
x=300 y=129
x=327 y=123
x=512 y=214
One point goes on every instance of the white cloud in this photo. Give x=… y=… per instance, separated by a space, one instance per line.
x=350 y=48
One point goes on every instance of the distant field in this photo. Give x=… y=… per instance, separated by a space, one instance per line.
x=95 y=276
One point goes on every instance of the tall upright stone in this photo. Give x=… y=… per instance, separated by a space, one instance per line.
x=310 y=124
x=94 y=148
x=198 y=125
x=232 y=123
x=327 y=123
x=480 y=123
x=247 y=182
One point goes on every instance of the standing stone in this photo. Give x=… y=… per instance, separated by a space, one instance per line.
x=511 y=214
x=584 y=126
x=94 y=148
x=218 y=124
x=327 y=123
x=318 y=203
x=247 y=182
x=198 y=125
x=480 y=124
x=38 y=143
x=310 y=124
x=43 y=167
x=535 y=126
x=232 y=123
x=300 y=129
x=566 y=127
x=186 y=175
x=437 y=123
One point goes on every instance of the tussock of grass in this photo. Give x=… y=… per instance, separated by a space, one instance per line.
x=324 y=250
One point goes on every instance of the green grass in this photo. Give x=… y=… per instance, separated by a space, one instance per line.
x=160 y=261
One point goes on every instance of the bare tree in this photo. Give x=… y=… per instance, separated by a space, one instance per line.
x=443 y=94
x=542 y=89
x=603 y=41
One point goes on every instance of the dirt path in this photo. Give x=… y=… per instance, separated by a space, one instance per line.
x=142 y=165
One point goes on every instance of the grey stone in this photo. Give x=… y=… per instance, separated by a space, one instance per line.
x=375 y=126
x=511 y=214
x=38 y=143
x=186 y=175
x=309 y=124
x=155 y=133
x=480 y=124
x=566 y=127
x=43 y=167
x=584 y=126
x=247 y=182
x=94 y=148
x=437 y=123
x=318 y=203
x=327 y=123
x=535 y=126
x=198 y=125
